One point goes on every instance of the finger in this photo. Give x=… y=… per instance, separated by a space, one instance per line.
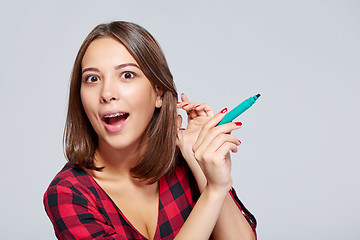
x=190 y=109
x=184 y=98
x=204 y=110
x=234 y=151
x=225 y=148
x=219 y=141
x=193 y=114
x=219 y=156
x=184 y=101
x=210 y=131
x=215 y=157
x=182 y=104
x=201 y=109
x=204 y=140
x=217 y=118
x=189 y=106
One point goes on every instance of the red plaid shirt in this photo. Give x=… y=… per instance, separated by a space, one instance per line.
x=79 y=209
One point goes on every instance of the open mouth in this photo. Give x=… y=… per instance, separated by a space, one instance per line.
x=115 y=118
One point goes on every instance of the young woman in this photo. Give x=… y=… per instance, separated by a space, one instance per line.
x=132 y=172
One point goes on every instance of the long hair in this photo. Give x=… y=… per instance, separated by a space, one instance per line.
x=159 y=139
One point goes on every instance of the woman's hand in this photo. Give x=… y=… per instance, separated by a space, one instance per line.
x=215 y=210
x=198 y=115
x=211 y=150
x=206 y=147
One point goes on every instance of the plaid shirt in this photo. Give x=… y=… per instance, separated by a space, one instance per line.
x=80 y=209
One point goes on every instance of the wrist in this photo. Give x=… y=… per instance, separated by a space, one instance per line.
x=219 y=193
x=188 y=155
x=195 y=169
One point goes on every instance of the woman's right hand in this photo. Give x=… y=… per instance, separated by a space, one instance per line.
x=212 y=151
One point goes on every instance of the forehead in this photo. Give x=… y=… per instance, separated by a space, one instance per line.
x=106 y=51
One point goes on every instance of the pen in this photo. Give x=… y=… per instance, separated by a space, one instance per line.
x=239 y=109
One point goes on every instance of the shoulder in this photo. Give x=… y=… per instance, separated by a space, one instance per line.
x=70 y=184
x=77 y=207
x=69 y=176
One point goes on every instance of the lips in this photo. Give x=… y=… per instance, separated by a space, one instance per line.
x=114 y=118
x=114 y=121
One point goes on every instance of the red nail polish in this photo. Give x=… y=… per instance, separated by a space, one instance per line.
x=238 y=124
x=197 y=106
x=224 y=110
x=177 y=102
x=185 y=105
x=239 y=141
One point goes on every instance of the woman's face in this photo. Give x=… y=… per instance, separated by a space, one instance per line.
x=117 y=97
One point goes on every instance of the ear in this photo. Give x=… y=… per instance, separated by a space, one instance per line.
x=159 y=96
x=178 y=122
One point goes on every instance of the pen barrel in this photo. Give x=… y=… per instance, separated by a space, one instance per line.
x=242 y=107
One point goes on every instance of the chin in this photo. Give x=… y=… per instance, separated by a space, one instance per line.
x=121 y=143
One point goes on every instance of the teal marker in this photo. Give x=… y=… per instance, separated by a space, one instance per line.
x=239 y=109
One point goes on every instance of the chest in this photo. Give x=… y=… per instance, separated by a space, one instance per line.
x=140 y=206
x=158 y=214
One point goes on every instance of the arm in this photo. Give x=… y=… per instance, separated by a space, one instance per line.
x=202 y=219
x=233 y=220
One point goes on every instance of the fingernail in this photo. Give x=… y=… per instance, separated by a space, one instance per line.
x=224 y=110
x=185 y=105
x=177 y=102
x=238 y=124
x=239 y=141
x=197 y=106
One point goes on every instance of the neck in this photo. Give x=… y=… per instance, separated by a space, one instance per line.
x=117 y=163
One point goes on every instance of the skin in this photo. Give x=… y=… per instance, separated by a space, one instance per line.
x=112 y=81
x=230 y=224
x=106 y=87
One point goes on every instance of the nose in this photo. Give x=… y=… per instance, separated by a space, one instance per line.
x=109 y=92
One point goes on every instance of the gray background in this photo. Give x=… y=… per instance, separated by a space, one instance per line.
x=298 y=167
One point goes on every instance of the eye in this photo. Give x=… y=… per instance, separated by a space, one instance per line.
x=128 y=75
x=91 y=78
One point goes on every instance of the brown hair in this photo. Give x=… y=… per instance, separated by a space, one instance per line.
x=159 y=139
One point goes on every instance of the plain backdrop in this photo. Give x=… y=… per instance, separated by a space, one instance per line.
x=297 y=169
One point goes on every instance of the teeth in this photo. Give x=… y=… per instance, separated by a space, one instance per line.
x=114 y=115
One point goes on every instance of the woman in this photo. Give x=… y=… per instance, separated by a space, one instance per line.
x=132 y=172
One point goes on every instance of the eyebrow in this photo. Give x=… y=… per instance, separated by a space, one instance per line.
x=89 y=69
x=126 y=65
x=116 y=67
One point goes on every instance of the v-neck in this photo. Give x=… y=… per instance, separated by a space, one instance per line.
x=87 y=211
x=157 y=231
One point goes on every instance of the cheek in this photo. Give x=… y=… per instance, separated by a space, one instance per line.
x=143 y=102
x=83 y=99
x=87 y=102
x=141 y=96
